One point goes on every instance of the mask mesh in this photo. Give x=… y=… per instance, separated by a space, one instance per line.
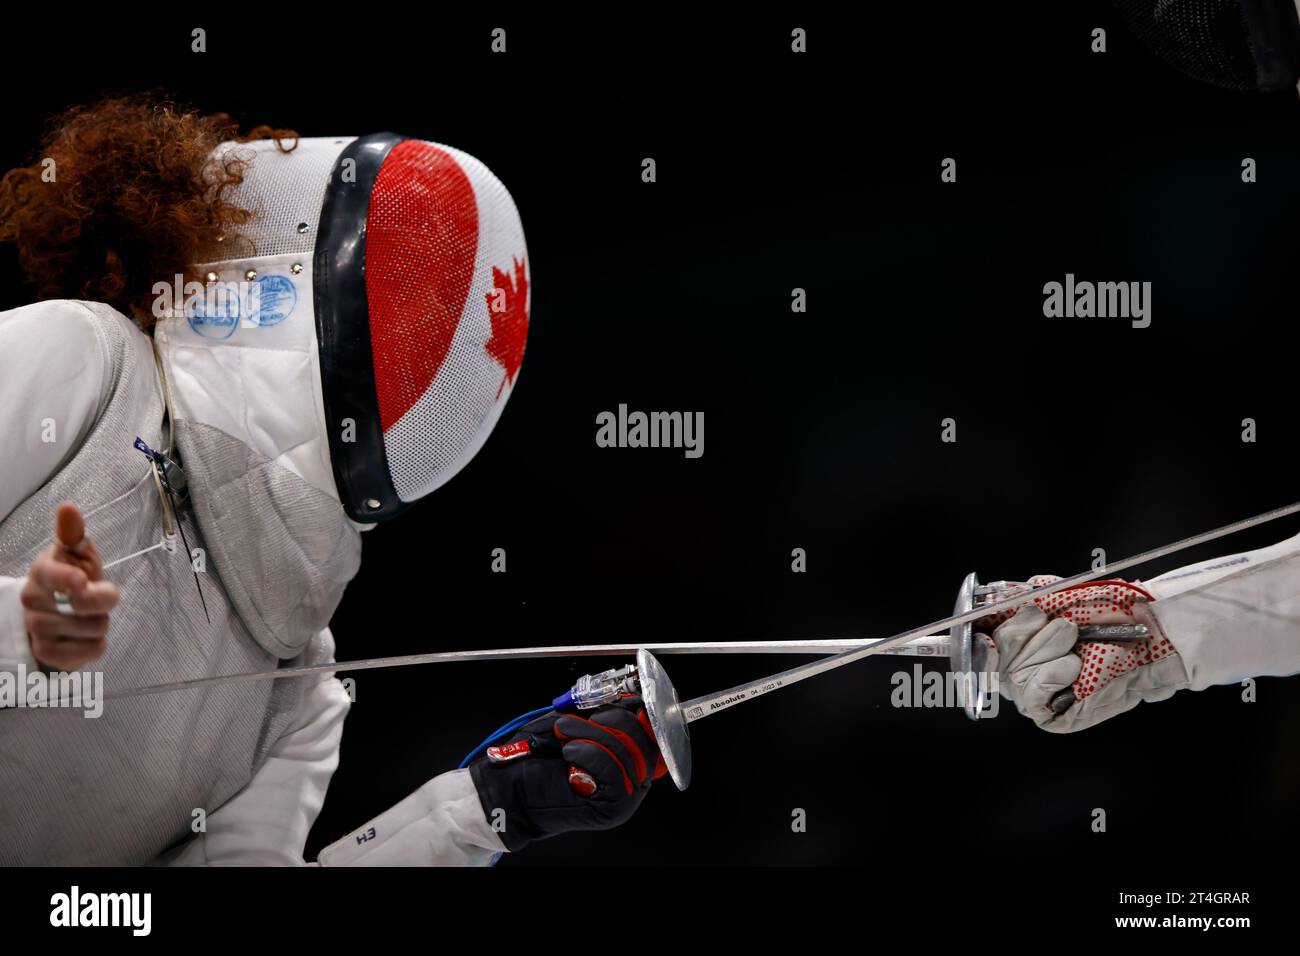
x=438 y=225
x=284 y=190
x=1237 y=44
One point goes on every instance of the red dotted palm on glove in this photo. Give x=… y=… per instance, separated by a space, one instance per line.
x=1098 y=602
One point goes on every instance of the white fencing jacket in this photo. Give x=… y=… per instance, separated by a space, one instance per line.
x=51 y=359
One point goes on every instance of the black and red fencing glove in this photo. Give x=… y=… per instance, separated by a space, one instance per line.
x=567 y=771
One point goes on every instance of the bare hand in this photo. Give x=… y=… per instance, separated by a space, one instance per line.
x=71 y=566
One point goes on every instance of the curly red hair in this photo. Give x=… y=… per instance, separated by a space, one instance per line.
x=125 y=194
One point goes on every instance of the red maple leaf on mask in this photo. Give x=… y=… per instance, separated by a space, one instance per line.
x=509 y=323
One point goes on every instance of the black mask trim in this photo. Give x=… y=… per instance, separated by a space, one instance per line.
x=347 y=370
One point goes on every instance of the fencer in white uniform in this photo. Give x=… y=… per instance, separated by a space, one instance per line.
x=369 y=332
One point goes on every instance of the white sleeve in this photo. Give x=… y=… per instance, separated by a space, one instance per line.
x=52 y=385
x=52 y=381
x=441 y=824
x=14 y=646
x=1233 y=617
x=266 y=823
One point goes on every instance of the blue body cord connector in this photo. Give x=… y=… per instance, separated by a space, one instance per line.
x=590 y=691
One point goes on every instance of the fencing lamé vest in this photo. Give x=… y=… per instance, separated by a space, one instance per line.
x=122 y=788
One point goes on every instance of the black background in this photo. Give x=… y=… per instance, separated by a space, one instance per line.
x=819 y=171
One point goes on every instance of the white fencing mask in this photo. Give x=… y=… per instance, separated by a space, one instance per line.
x=409 y=259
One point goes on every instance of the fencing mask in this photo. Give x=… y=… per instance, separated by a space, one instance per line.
x=408 y=259
x=1238 y=44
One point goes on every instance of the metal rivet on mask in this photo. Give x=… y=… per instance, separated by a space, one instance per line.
x=250 y=275
x=373 y=504
x=303 y=227
x=212 y=277
x=221 y=238
x=296 y=268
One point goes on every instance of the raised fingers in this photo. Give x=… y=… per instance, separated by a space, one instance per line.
x=49 y=575
x=72 y=546
x=96 y=597
x=67 y=653
x=53 y=624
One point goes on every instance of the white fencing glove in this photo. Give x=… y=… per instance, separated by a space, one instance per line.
x=1216 y=622
x=1039 y=658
